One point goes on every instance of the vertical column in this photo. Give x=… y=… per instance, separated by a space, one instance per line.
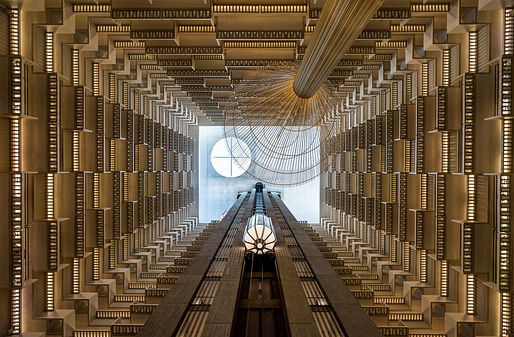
x=446 y=67
x=116 y=169
x=504 y=236
x=53 y=115
x=16 y=198
x=96 y=79
x=473 y=51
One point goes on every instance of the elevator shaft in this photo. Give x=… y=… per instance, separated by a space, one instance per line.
x=231 y=291
x=260 y=310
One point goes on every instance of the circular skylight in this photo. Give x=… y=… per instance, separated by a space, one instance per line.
x=231 y=157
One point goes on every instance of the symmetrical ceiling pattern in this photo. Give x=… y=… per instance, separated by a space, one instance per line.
x=205 y=49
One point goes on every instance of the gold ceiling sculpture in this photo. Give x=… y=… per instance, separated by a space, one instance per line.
x=283 y=131
x=285 y=116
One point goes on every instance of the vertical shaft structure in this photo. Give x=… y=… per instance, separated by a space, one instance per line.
x=340 y=23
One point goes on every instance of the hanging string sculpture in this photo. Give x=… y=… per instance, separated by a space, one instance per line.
x=286 y=116
x=282 y=130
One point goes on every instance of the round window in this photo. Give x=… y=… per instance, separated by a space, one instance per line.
x=231 y=157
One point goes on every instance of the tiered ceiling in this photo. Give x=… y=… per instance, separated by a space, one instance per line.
x=206 y=49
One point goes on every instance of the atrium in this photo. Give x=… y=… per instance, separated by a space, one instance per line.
x=256 y=168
